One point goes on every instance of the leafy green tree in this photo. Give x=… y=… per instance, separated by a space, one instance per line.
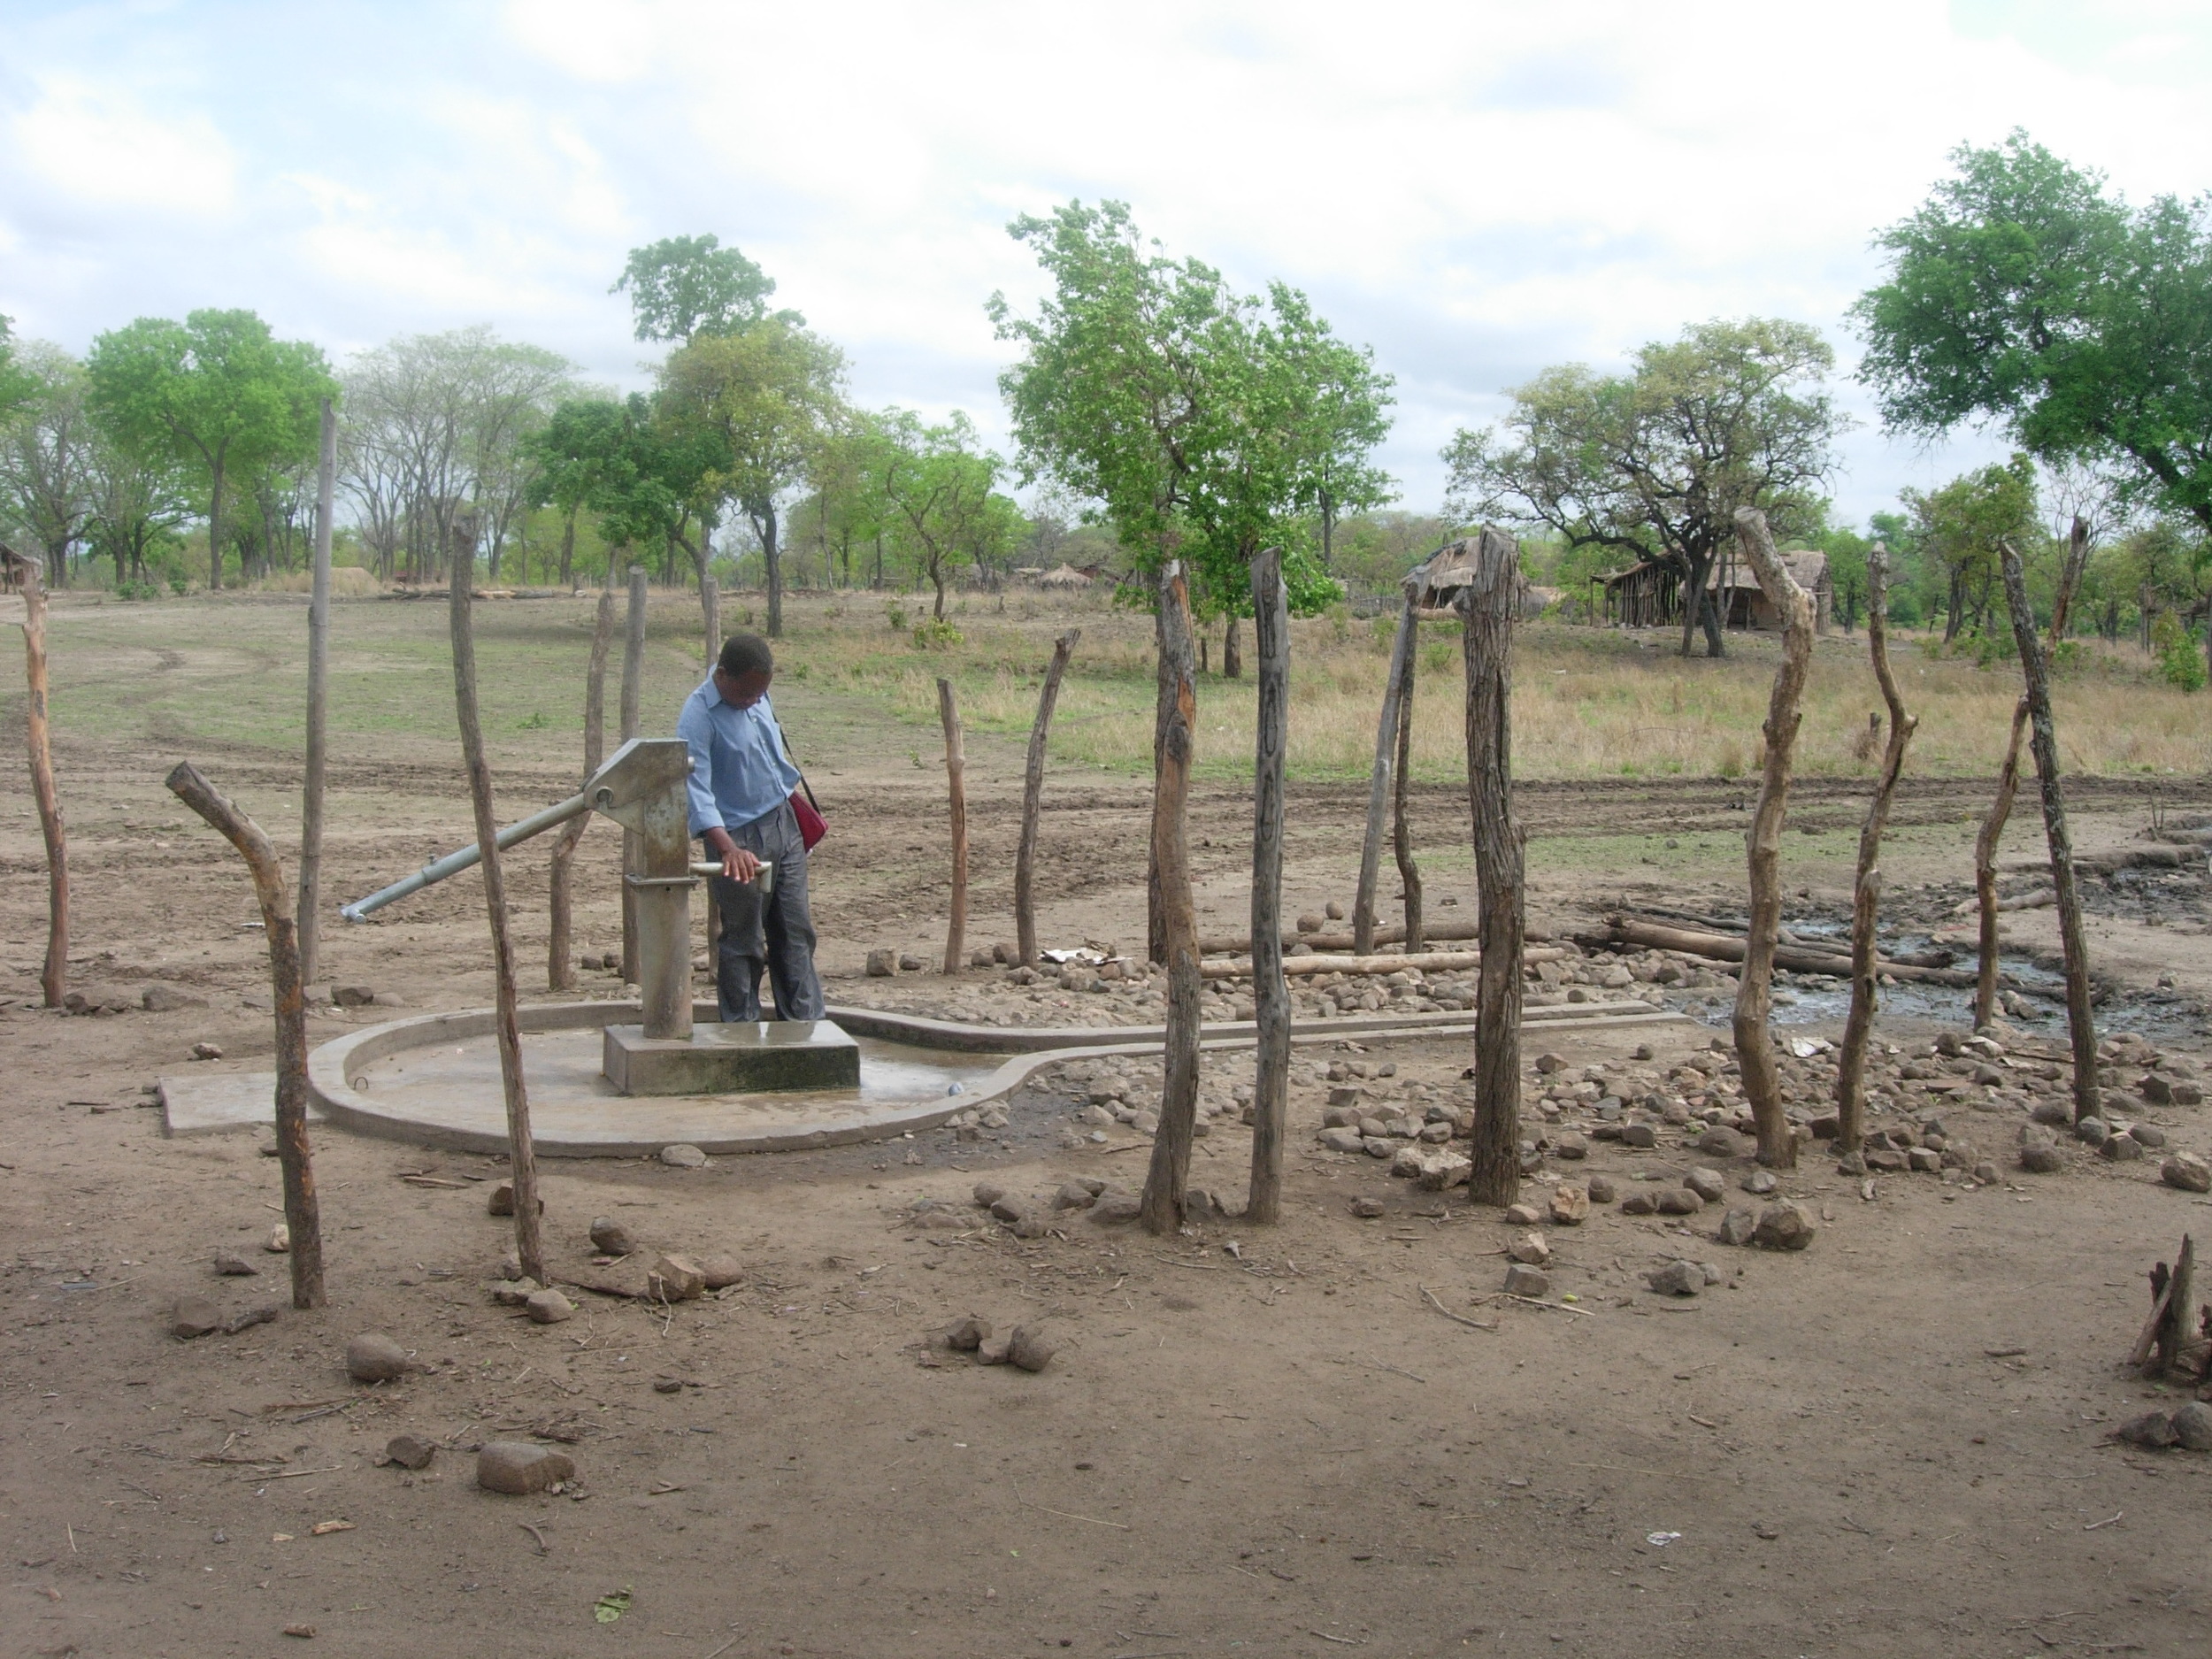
x=760 y=405
x=138 y=506
x=683 y=286
x=1958 y=529
x=14 y=387
x=2020 y=293
x=940 y=487
x=218 y=392
x=1655 y=463
x=46 y=447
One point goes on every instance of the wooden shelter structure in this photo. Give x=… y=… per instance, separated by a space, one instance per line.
x=1648 y=593
x=1064 y=576
x=12 y=565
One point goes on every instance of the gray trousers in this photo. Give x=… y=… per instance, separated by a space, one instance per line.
x=776 y=935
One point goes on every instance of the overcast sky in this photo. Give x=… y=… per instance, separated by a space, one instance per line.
x=1477 y=188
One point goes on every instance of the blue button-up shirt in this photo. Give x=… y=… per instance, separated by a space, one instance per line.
x=739 y=771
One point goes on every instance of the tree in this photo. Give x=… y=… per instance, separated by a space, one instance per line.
x=1655 y=463
x=758 y=405
x=682 y=286
x=1959 y=529
x=218 y=391
x=2022 y=294
x=940 y=490
x=138 y=505
x=46 y=453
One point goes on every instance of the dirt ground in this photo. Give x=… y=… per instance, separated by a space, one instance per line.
x=1893 y=1443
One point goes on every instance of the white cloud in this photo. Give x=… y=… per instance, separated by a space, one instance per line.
x=98 y=146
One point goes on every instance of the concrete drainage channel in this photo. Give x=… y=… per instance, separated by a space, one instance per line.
x=434 y=1079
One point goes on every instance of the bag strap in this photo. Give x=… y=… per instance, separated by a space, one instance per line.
x=785 y=740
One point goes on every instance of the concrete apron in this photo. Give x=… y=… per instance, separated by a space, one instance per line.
x=455 y=1100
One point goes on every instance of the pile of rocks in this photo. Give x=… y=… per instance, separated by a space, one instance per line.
x=1026 y=1347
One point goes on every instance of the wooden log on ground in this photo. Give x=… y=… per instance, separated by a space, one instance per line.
x=318 y=705
x=1401 y=829
x=560 y=963
x=956 y=795
x=1271 y=992
x=1647 y=935
x=1866 y=893
x=1033 y=799
x=1754 y=1045
x=521 y=1152
x=2043 y=743
x=1379 y=786
x=632 y=700
x=1163 y=1207
x=303 y=1213
x=1489 y=606
x=53 y=974
x=1367 y=967
x=1992 y=827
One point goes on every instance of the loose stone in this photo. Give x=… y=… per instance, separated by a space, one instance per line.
x=516 y=1468
x=194 y=1316
x=374 y=1357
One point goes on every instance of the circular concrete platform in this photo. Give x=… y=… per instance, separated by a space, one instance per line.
x=434 y=1079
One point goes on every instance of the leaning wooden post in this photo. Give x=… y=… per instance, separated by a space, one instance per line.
x=1271 y=992
x=521 y=1155
x=957 y=791
x=1378 y=787
x=560 y=965
x=1992 y=829
x=1866 y=902
x=1754 y=1045
x=54 y=975
x=303 y=1215
x=2081 y=1024
x=633 y=698
x=1165 y=1180
x=1033 y=799
x=318 y=705
x=1489 y=608
x=1401 y=829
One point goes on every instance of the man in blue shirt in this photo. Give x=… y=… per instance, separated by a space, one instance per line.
x=741 y=805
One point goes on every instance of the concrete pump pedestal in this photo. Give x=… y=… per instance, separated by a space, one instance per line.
x=750 y=1058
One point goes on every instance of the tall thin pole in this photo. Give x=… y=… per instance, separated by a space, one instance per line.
x=956 y=789
x=710 y=606
x=1033 y=800
x=1165 y=1180
x=318 y=705
x=54 y=974
x=1270 y=994
x=632 y=697
x=1489 y=607
x=521 y=1152
x=1378 y=788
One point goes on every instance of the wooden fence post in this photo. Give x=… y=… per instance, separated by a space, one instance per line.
x=1400 y=827
x=303 y=1213
x=2080 y=1023
x=1271 y=992
x=521 y=1153
x=1033 y=799
x=317 y=706
x=632 y=699
x=560 y=964
x=1164 y=1203
x=1866 y=900
x=710 y=606
x=1754 y=1045
x=1992 y=829
x=53 y=976
x=1378 y=787
x=1489 y=607
x=957 y=791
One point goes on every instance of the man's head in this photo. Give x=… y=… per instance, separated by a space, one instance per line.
x=743 y=671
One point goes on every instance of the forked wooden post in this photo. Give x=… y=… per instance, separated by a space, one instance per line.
x=1992 y=829
x=1169 y=1174
x=1400 y=827
x=303 y=1215
x=1754 y=1044
x=956 y=793
x=1033 y=799
x=53 y=976
x=318 y=705
x=521 y=1153
x=1271 y=992
x=2043 y=741
x=1379 y=786
x=1866 y=902
x=560 y=964
x=632 y=700
x=1489 y=607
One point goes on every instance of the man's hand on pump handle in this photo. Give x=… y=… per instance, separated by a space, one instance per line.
x=737 y=864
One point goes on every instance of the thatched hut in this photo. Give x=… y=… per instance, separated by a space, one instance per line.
x=1649 y=594
x=1434 y=584
x=1064 y=578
